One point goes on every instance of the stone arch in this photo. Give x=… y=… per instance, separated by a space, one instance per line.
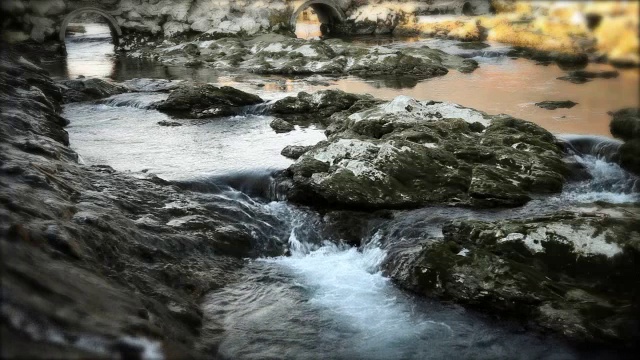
x=467 y=9
x=328 y=12
x=116 y=32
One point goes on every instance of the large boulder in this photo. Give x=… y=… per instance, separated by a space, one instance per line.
x=571 y=273
x=407 y=153
x=205 y=100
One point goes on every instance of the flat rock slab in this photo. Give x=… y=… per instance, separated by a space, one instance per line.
x=552 y=105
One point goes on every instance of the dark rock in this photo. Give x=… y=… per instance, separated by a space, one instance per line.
x=583 y=76
x=552 y=105
x=85 y=248
x=474 y=45
x=569 y=273
x=191 y=50
x=294 y=151
x=89 y=89
x=629 y=156
x=625 y=124
x=562 y=59
x=169 y=123
x=468 y=66
x=281 y=126
x=201 y=101
x=305 y=108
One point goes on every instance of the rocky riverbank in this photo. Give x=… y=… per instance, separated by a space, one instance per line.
x=96 y=263
x=280 y=54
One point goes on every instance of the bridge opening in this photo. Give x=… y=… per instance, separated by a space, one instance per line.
x=315 y=18
x=90 y=37
x=467 y=9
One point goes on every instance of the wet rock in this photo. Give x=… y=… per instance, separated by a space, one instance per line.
x=625 y=124
x=561 y=58
x=294 y=151
x=152 y=85
x=571 y=273
x=472 y=45
x=89 y=89
x=552 y=105
x=629 y=156
x=406 y=153
x=204 y=100
x=307 y=108
x=279 y=54
x=169 y=123
x=583 y=76
x=281 y=126
x=126 y=259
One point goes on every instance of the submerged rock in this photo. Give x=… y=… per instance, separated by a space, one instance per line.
x=406 y=153
x=204 y=100
x=169 y=123
x=571 y=273
x=583 y=76
x=552 y=105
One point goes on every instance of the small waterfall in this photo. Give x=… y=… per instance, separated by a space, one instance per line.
x=609 y=182
x=256 y=183
x=133 y=100
x=258 y=109
x=599 y=147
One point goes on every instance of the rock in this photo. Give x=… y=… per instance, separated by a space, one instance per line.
x=294 y=151
x=583 y=76
x=204 y=100
x=629 y=156
x=279 y=54
x=281 y=126
x=561 y=58
x=169 y=123
x=571 y=273
x=472 y=45
x=305 y=108
x=625 y=124
x=152 y=85
x=406 y=154
x=552 y=105
x=92 y=255
x=87 y=89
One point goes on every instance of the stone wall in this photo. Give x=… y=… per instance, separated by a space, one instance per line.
x=40 y=20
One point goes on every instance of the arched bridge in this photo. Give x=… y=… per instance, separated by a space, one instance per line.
x=116 y=31
x=328 y=12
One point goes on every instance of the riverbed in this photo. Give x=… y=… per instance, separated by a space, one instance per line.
x=328 y=300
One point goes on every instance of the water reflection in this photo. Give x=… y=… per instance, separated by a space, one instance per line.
x=89 y=53
x=500 y=85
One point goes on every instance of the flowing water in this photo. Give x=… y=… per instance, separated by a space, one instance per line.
x=328 y=300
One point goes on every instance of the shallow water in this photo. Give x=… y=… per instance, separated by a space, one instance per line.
x=327 y=300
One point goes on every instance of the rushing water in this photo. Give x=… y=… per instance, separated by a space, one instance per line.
x=328 y=300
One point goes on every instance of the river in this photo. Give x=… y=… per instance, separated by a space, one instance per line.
x=329 y=300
